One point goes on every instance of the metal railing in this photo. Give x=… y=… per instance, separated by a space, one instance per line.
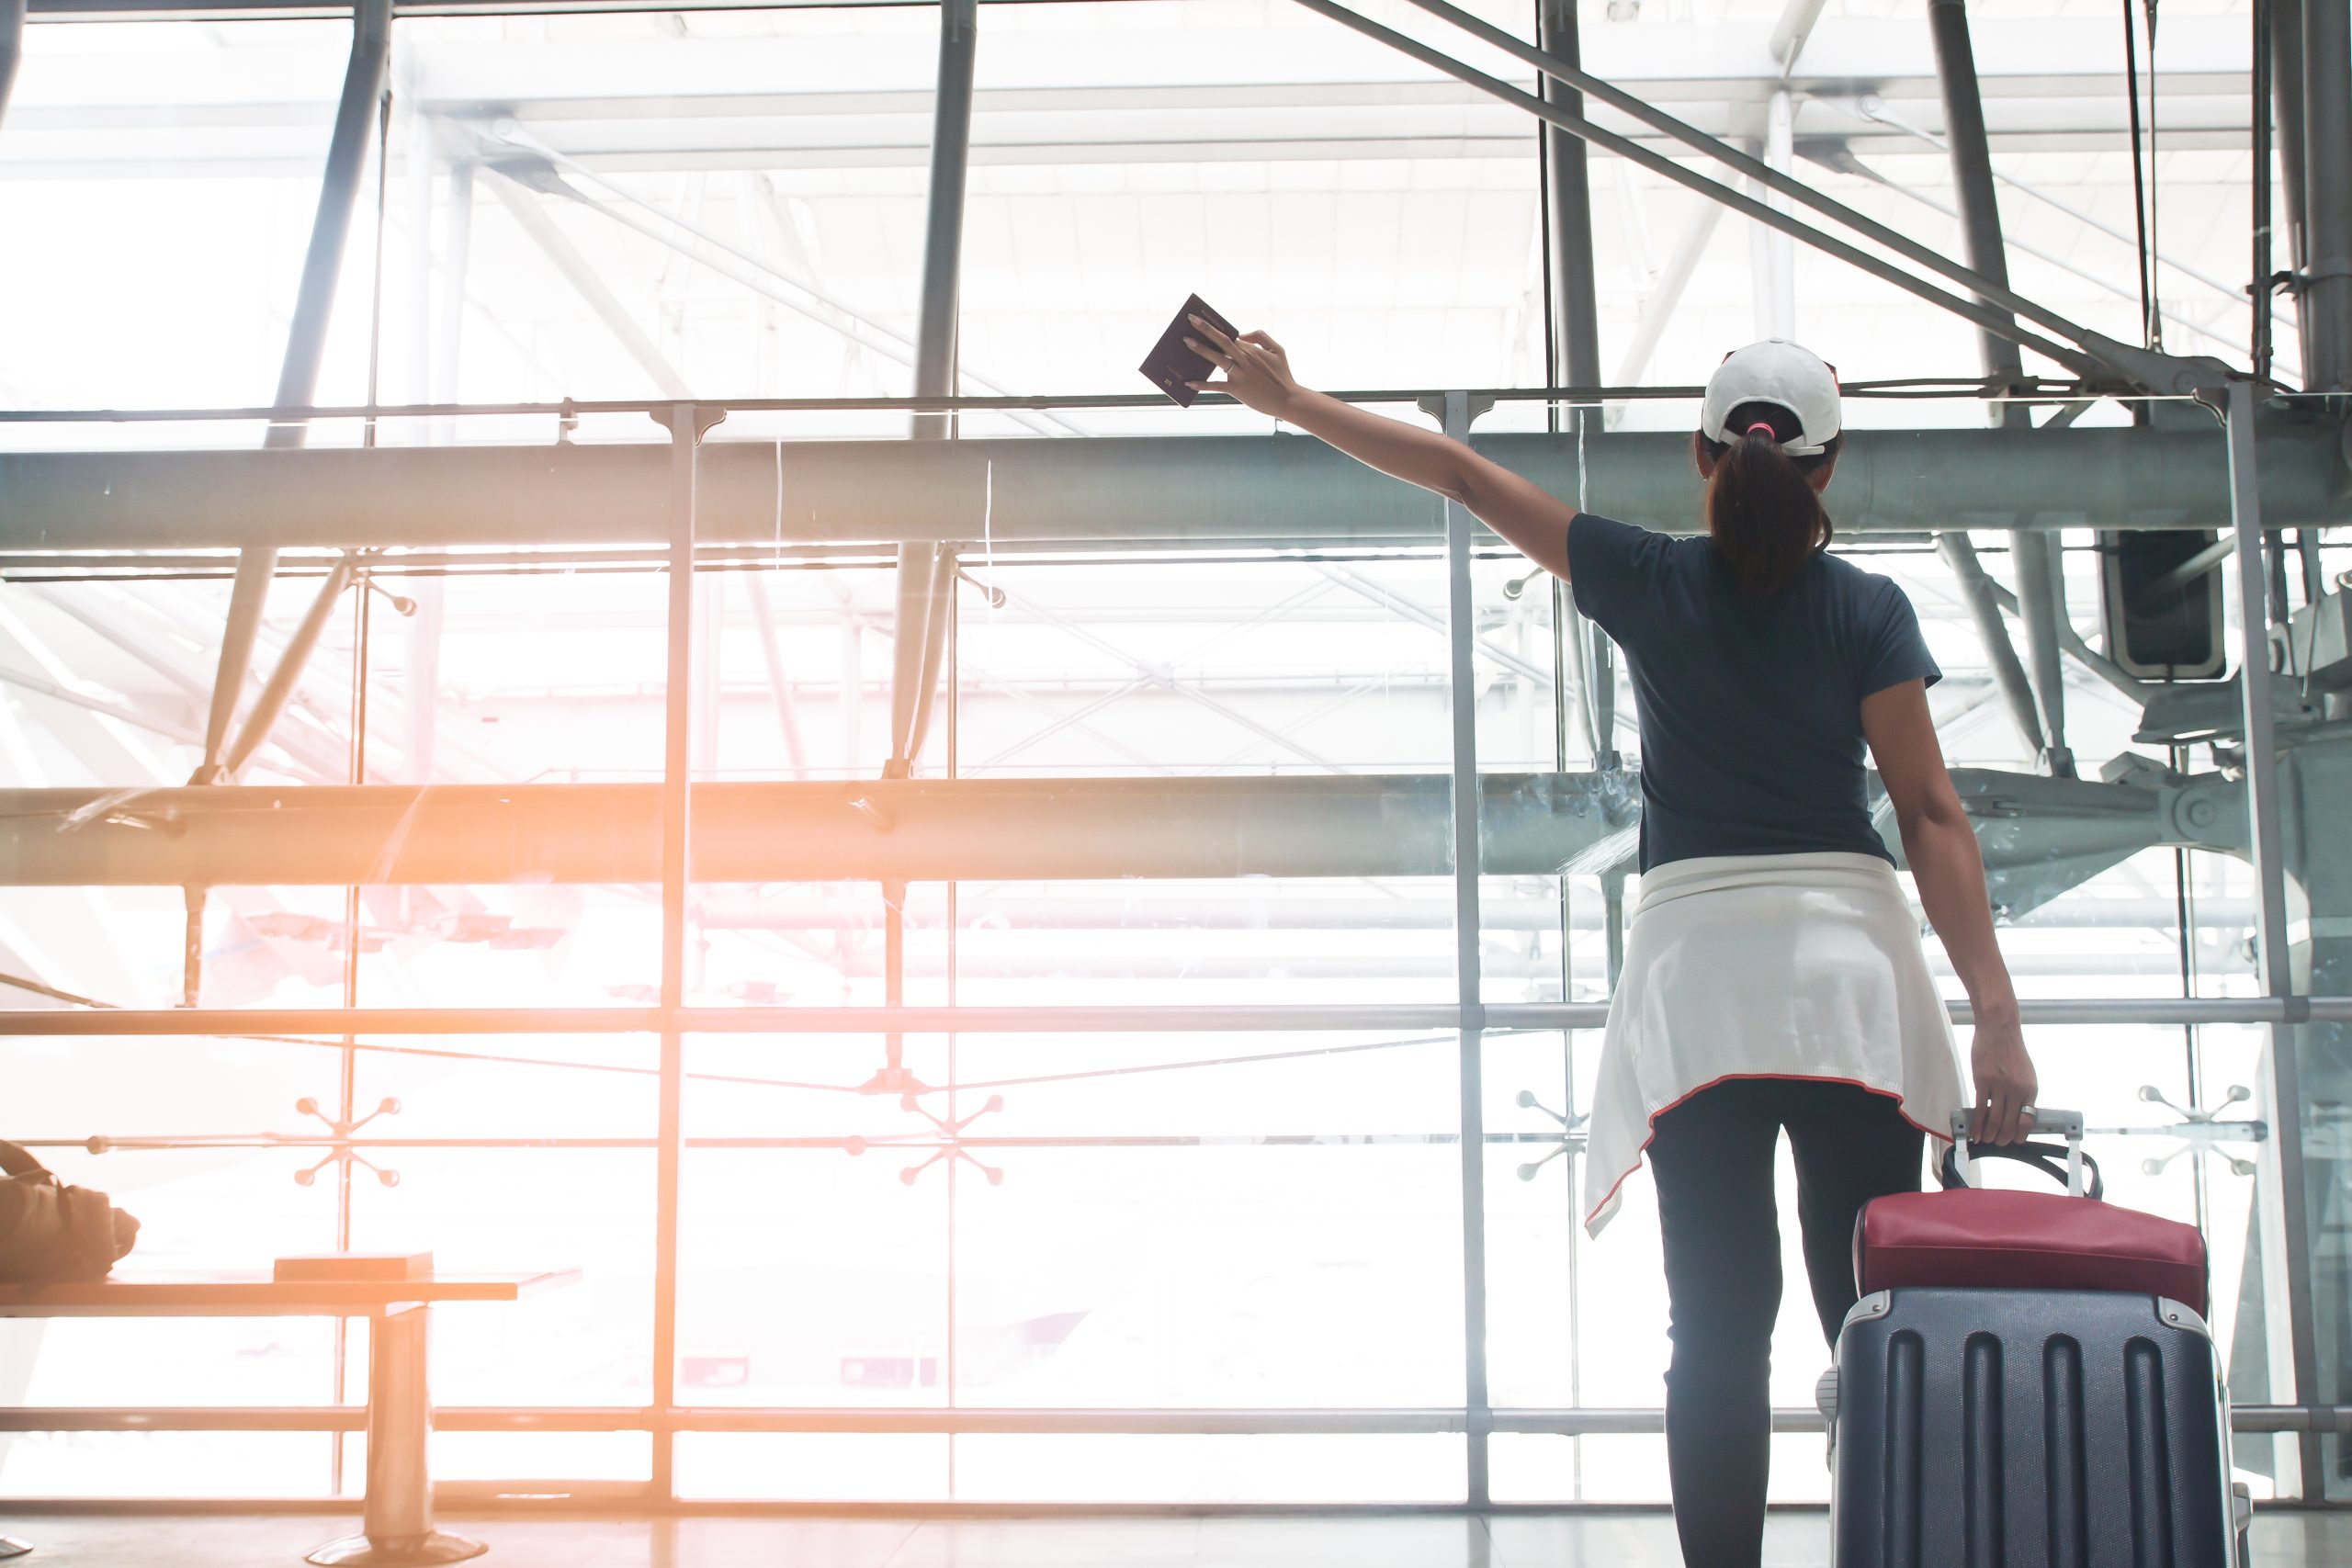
x=1142 y=1020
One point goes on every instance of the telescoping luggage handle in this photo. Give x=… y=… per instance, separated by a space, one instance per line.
x=2080 y=1172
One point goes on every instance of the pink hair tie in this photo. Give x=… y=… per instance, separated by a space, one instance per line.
x=1766 y=427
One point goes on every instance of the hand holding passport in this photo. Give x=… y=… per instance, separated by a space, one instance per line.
x=1199 y=343
x=1172 y=367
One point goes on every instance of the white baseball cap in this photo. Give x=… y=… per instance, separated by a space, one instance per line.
x=1783 y=373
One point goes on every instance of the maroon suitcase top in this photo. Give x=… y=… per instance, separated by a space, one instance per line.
x=2032 y=1241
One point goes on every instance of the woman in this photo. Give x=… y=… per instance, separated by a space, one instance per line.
x=1773 y=978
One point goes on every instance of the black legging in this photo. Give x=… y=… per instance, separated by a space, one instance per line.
x=1711 y=1157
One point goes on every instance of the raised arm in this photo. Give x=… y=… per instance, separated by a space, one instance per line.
x=1257 y=372
x=1949 y=869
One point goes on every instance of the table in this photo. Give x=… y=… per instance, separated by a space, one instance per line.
x=396 y=1522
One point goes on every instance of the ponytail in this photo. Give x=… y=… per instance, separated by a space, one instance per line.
x=1766 y=518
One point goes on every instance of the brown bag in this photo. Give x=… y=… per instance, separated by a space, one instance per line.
x=49 y=1232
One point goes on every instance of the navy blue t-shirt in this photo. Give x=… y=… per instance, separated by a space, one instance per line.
x=1750 y=709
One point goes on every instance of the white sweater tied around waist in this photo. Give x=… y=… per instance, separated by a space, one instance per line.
x=1797 y=966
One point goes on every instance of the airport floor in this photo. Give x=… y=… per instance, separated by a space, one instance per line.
x=1795 y=1539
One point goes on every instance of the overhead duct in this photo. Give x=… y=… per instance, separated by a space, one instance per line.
x=1097 y=491
x=814 y=831
x=2040 y=835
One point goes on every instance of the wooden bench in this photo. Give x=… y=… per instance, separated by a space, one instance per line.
x=397 y=1510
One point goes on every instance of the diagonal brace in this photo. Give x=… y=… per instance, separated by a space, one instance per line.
x=290 y=665
x=1992 y=290
x=12 y=47
x=298 y=381
x=2096 y=355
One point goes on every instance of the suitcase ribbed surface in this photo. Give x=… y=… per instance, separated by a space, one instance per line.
x=1981 y=1428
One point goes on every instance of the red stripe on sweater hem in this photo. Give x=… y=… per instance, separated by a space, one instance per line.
x=1651 y=1120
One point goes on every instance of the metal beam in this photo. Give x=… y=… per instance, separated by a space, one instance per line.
x=2327 y=194
x=1872 y=110
x=117 y=622
x=917 y=606
x=248 y=591
x=1132 y=907
x=903 y=831
x=12 y=48
x=1841 y=158
x=785 y=144
x=1573 y=351
x=1972 y=169
x=1199 y=491
x=1465 y=797
x=250 y=1023
x=2126 y=684
x=2260 y=353
x=355 y=123
x=1792 y=32
x=2092 y=358
x=1580 y=1420
x=1567 y=201
x=2266 y=850
x=2040 y=583
x=2195 y=566
x=951 y=142
x=1775 y=269
x=686 y=423
x=2041 y=602
x=292 y=663
x=1977 y=590
x=1067 y=960
x=298 y=381
x=932 y=831
x=2286 y=101
x=926 y=581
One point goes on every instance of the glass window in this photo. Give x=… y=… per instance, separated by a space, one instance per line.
x=1167 y=785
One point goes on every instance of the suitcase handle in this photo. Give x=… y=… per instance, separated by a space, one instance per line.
x=2079 y=1173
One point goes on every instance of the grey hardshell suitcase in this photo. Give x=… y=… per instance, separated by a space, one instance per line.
x=1977 y=1427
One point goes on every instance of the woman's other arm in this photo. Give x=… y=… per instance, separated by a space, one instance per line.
x=1257 y=372
x=1950 y=870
